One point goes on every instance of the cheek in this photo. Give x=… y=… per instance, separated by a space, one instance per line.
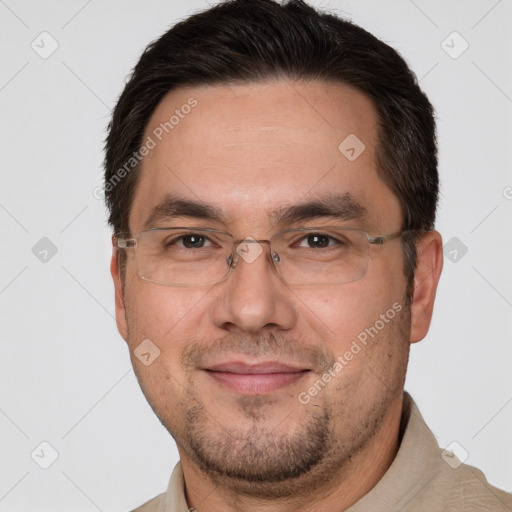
x=386 y=273
x=338 y=314
x=155 y=327
x=154 y=311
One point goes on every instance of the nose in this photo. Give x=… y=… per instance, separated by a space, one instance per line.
x=253 y=298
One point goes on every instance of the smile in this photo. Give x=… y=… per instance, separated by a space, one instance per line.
x=255 y=379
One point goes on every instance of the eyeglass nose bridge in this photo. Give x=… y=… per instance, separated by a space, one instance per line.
x=233 y=259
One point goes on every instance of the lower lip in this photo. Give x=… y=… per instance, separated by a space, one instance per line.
x=256 y=383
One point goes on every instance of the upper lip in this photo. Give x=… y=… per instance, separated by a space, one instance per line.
x=241 y=367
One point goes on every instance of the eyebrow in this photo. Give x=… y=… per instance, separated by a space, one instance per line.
x=336 y=206
x=173 y=206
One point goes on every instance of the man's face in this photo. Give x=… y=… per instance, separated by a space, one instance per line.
x=235 y=379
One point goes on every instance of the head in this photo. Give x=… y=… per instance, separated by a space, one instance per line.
x=243 y=111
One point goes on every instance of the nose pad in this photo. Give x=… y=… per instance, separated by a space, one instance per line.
x=231 y=262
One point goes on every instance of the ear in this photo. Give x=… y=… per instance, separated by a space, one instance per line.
x=122 y=325
x=428 y=271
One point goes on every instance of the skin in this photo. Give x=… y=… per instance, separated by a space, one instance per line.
x=248 y=150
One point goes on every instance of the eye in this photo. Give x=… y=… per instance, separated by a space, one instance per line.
x=318 y=241
x=191 y=241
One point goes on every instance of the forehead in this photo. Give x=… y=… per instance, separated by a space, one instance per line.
x=247 y=149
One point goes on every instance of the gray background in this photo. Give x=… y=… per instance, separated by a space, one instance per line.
x=65 y=373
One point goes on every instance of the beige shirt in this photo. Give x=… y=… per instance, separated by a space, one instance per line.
x=422 y=478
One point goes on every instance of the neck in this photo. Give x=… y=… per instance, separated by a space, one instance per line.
x=338 y=490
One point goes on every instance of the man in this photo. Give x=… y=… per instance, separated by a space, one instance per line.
x=271 y=174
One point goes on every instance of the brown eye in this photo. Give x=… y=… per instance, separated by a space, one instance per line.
x=189 y=241
x=318 y=241
x=193 y=241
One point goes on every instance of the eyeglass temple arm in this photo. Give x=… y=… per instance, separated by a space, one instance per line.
x=379 y=240
x=123 y=243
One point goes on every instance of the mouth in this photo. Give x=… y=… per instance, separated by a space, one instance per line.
x=254 y=379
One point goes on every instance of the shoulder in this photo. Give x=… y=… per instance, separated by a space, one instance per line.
x=424 y=477
x=446 y=482
x=465 y=488
x=171 y=500
x=157 y=504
